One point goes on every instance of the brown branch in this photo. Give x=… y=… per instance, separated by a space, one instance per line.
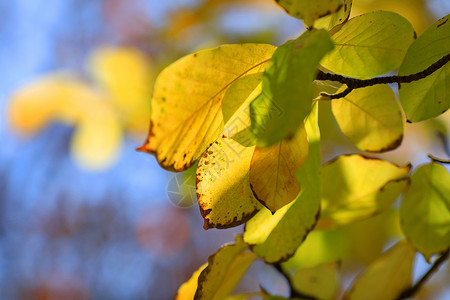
x=438 y=159
x=409 y=292
x=354 y=83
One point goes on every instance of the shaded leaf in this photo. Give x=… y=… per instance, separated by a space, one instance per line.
x=276 y=237
x=186 y=114
x=273 y=171
x=309 y=11
x=386 y=277
x=355 y=187
x=320 y=282
x=369 y=45
x=428 y=97
x=187 y=290
x=337 y=18
x=287 y=88
x=371 y=118
x=224 y=271
x=223 y=188
x=425 y=210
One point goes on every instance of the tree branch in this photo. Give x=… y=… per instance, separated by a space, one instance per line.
x=409 y=292
x=354 y=83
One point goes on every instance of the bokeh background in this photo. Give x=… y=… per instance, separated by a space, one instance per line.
x=85 y=216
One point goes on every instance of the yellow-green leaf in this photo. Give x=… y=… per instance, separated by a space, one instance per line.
x=187 y=290
x=320 y=282
x=186 y=114
x=308 y=10
x=371 y=118
x=276 y=237
x=340 y=16
x=386 y=277
x=223 y=188
x=425 y=210
x=287 y=88
x=273 y=169
x=355 y=187
x=428 y=97
x=224 y=271
x=370 y=45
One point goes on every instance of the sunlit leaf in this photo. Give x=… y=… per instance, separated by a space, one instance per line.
x=287 y=89
x=187 y=290
x=320 y=282
x=273 y=171
x=428 y=97
x=224 y=271
x=64 y=98
x=223 y=188
x=276 y=237
x=126 y=75
x=386 y=277
x=340 y=16
x=369 y=45
x=425 y=210
x=186 y=114
x=355 y=187
x=308 y=11
x=371 y=118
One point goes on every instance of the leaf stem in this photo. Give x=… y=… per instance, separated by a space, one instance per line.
x=409 y=292
x=354 y=83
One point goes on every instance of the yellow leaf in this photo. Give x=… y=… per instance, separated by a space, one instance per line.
x=223 y=187
x=187 y=289
x=320 y=282
x=64 y=98
x=224 y=271
x=371 y=118
x=386 y=277
x=186 y=114
x=126 y=75
x=355 y=187
x=273 y=171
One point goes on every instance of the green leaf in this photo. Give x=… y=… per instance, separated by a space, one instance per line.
x=337 y=18
x=370 y=45
x=355 y=187
x=371 y=118
x=287 y=89
x=386 y=277
x=223 y=188
x=308 y=10
x=425 y=210
x=186 y=107
x=224 y=271
x=187 y=290
x=276 y=237
x=320 y=282
x=428 y=97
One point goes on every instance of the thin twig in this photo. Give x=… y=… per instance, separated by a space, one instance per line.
x=437 y=159
x=409 y=292
x=354 y=83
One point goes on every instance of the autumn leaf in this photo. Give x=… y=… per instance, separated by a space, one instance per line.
x=273 y=171
x=186 y=113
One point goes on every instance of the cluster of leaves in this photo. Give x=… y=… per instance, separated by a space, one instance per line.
x=248 y=113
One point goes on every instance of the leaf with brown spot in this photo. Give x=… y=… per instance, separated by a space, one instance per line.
x=225 y=269
x=186 y=113
x=273 y=169
x=223 y=187
x=276 y=237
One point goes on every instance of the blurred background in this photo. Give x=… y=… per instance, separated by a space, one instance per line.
x=85 y=216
